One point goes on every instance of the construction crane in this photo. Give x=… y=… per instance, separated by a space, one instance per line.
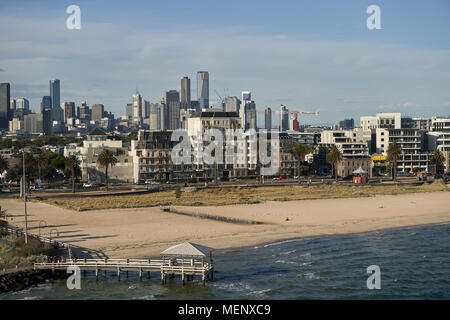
x=295 y=114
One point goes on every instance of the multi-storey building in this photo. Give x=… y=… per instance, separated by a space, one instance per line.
x=152 y=157
x=412 y=143
x=440 y=128
x=88 y=153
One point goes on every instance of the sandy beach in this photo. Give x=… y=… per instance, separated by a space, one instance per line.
x=145 y=232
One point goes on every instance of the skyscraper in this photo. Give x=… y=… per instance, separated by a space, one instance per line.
x=5 y=113
x=55 y=95
x=173 y=109
x=68 y=109
x=284 y=118
x=145 y=109
x=247 y=111
x=97 y=112
x=85 y=112
x=203 y=89
x=268 y=118
x=22 y=104
x=46 y=103
x=232 y=104
x=185 y=93
x=136 y=101
x=47 y=121
x=129 y=111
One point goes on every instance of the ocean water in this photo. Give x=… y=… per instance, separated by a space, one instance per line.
x=414 y=264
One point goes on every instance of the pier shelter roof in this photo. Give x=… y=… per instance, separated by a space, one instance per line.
x=187 y=249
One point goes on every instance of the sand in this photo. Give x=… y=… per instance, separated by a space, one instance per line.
x=145 y=232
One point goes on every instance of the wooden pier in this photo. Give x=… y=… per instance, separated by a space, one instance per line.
x=193 y=262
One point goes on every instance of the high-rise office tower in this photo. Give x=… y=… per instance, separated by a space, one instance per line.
x=185 y=93
x=68 y=109
x=47 y=121
x=232 y=104
x=85 y=112
x=284 y=118
x=129 y=111
x=145 y=109
x=268 y=118
x=46 y=103
x=203 y=89
x=136 y=101
x=22 y=104
x=12 y=105
x=55 y=94
x=5 y=113
x=153 y=117
x=247 y=111
x=97 y=112
x=173 y=109
x=33 y=123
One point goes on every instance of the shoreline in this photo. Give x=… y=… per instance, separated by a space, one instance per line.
x=282 y=241
x=145 y=232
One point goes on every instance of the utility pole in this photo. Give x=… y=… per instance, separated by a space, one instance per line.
x=25 y=196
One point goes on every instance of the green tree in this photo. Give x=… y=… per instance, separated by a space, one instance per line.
x=3 y=164
x=437 y=159
x=334 y=155
x=394 y=151
x=107 y=159
x=72 y=164
x=300 y=150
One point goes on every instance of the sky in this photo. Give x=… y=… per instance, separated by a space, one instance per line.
x=308 y=55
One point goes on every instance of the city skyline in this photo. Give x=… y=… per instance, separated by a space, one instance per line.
x=332 y=63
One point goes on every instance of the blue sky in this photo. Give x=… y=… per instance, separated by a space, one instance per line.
x=308 y=55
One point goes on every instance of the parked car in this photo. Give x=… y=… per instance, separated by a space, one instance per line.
x=87 y=185
x=171 y=182
x=235 y=180
x=115 y=184
x=283 y=177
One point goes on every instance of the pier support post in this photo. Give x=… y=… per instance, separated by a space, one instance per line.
x=148 y=274
x=96 y=274
x=140 y=274
x=118 y=274
x=203 y=278
x=126 y=274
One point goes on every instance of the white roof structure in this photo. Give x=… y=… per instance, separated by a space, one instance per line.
x=360 y=171
x=188 y=249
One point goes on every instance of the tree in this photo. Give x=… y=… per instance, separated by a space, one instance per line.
x=106 y=159
x=72 y=164
x=300 y=150
x=394 y=151
x=437 y=159
x=334 y=155
x=3 y=164
x=42 y=162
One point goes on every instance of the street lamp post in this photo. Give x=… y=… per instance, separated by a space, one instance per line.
x=25 y=196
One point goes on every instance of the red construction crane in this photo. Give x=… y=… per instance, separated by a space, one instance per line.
x=294 y=112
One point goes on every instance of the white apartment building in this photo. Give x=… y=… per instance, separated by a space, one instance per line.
x=88 y=153
x=412 y=142
x=381 y=120
x=440 y=128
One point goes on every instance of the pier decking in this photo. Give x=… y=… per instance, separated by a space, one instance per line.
x=191 y=264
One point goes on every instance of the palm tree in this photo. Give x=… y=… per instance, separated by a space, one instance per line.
x=394 y=151
x=72 y=164
x=333 y=157
x=300 y=150
x=106 y=159
x=41 y=162
x=437 y=159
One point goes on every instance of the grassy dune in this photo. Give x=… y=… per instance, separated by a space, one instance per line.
x=238 y=195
